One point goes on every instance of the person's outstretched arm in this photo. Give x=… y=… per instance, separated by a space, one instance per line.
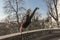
x=33 y=12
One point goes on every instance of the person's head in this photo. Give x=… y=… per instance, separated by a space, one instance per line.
x=28 y=11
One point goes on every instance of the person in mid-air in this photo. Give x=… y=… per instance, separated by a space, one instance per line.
x=28 y=18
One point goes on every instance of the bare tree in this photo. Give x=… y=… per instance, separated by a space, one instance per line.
x=13 y=6
x=52 y=9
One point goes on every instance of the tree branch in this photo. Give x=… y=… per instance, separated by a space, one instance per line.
x=12 y=6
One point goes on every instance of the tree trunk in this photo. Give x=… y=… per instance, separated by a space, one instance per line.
x=57 y=24
x=17 y=17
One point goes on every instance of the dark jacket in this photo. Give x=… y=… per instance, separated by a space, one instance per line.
x=28 y=19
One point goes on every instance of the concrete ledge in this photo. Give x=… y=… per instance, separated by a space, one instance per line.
x=29 y=34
